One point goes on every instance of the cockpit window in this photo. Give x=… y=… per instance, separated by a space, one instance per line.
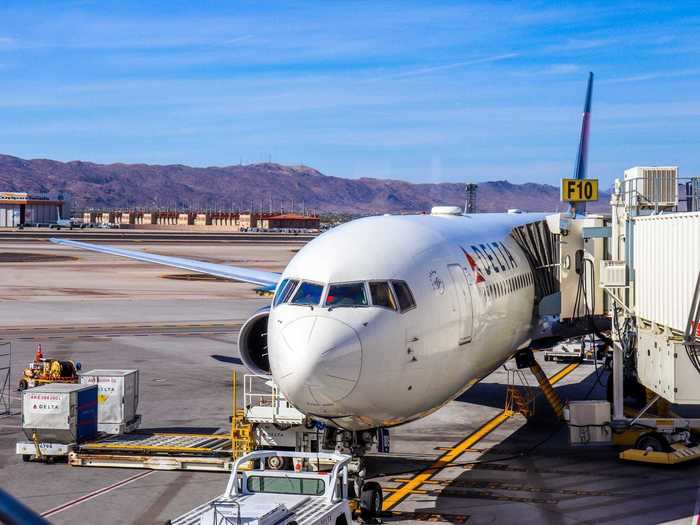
x=284 y=291
x=403 y=295
x=308 y=293
x=381 y=295
x=352 y=294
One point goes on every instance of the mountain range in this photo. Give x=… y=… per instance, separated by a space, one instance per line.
x=176 y=186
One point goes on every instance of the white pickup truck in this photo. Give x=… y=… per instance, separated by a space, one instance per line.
x=314 y=493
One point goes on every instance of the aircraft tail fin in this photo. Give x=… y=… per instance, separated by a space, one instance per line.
x=582 y=157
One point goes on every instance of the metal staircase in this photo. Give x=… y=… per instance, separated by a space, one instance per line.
x=520 y=397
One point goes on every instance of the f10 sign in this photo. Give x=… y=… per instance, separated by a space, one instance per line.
x=577 y=190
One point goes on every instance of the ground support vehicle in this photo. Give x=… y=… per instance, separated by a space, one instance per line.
x=314 y=492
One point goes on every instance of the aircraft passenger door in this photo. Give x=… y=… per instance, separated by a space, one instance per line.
x=464 y=300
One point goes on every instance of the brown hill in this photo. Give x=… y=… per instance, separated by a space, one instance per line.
x=185 y=187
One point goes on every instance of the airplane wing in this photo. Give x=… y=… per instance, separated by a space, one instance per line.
x=247 y=275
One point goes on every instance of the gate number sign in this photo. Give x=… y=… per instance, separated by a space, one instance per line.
x=576 y=190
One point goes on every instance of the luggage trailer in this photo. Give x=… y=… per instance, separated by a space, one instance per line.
x=266 y=421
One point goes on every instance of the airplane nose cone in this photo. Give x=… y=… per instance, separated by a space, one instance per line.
x=320 y=362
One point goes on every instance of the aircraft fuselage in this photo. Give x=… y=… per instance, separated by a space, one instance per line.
x=360 y=366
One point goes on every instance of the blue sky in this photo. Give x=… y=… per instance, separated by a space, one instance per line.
x=421 y=91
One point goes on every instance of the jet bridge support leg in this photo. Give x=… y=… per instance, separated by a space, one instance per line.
x=525 y=358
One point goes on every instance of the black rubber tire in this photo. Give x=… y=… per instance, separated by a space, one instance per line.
x=26 y=458
x=654 y=440
x=23 y=385
x=371 y=500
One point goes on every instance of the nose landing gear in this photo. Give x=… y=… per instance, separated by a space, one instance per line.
x=368 y=495
x=371 y=500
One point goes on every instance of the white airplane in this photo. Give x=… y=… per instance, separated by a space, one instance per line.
x=63 y=223
x=383 y=320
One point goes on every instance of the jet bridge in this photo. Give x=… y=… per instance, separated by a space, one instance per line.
x=541 y=247
x=646 y=277
x=635 y=275
x=564 y=253
x=652 y=280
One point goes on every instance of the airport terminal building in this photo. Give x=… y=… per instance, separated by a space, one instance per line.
x=19 y=208
x=222 y=220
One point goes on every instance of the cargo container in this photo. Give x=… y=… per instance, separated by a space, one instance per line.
x=666 y=265
x=117 y=398
x=60 y=413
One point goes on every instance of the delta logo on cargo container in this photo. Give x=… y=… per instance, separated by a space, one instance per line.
x=45 y=402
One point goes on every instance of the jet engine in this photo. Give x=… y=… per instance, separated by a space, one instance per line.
x=252 y=342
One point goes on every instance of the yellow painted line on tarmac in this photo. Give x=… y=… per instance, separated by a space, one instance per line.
x=399 y=494
x=406 y=480
x=444 y=460
x=416 y=491
x=563 y=373
x=442 y=449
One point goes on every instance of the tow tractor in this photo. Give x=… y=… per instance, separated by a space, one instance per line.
x=315 y=492
x=44 y=370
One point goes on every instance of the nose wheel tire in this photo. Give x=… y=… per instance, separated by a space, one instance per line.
x=371 y=500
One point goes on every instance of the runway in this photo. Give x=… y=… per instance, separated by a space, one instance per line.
x=161 y=236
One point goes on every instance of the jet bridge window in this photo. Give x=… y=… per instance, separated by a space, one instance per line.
x=381 y=295
x=308 y=293
x=403 y=295
x=284 y=291
x=351 y=294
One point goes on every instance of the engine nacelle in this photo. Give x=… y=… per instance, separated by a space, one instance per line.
x=252 y=342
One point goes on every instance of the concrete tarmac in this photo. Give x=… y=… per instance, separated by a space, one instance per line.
x=466 y=463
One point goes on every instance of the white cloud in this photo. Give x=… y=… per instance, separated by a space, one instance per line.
x=454 y=65
x=237 y=40
x=578 y=44
x=562 y=69
x=654 y=75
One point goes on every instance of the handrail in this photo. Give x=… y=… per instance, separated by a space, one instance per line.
x=340 y=461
